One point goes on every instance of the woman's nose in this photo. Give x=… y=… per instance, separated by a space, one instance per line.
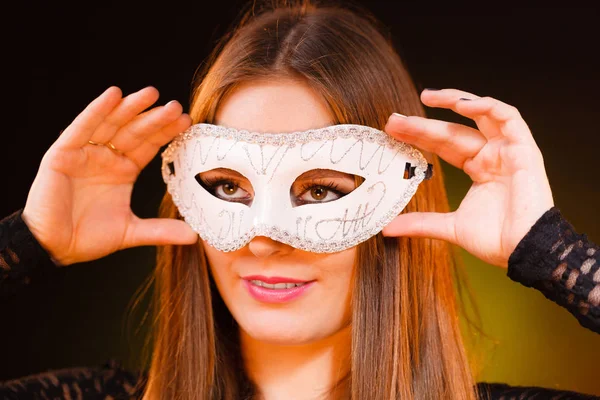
x=262 y=246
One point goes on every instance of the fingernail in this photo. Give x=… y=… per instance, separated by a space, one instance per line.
x=171 y=102
x=430 y=89
x=463 y=98
x=399 y=115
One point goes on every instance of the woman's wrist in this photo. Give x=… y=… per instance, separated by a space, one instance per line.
x=23 y=216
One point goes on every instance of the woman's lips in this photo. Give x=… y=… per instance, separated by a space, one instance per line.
x=274 y=279
x=268 y=295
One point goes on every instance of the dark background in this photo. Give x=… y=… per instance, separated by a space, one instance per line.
x=544 y=61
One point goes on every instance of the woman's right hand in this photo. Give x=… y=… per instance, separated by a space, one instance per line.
x=78 y=207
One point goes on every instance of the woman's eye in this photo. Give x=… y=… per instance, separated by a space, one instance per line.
x=319 y=194
x=230 y=191
x=220 y=183
x=228 y=188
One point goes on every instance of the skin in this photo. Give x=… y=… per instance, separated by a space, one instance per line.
x=78 y=185
x=298 y=348
x=86 y=189
x=510 y=190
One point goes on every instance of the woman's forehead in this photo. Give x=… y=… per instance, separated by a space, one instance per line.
x=281 y=105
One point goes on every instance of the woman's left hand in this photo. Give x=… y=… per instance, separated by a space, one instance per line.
x=510 y=190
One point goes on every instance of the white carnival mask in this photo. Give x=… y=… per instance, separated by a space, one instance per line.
x=271 y=162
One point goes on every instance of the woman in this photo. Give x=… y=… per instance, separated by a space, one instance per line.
x=380 y=318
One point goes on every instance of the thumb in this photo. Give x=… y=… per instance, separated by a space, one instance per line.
x=158 y=231
x=423 y=224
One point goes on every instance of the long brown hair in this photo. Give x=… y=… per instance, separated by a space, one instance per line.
x=406 y=339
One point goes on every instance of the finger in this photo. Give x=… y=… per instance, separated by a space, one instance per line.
x=508 y=119
x=158 y=231
x=423 y=224
x=77 y=134
x=145 y=152
x=455 y=143
x=128 y=109
x=145 y=125
x=445 y=98
x=166 y=134
x=450 y=99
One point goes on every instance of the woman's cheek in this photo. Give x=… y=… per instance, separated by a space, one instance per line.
x=219 y=266
x=338 y=270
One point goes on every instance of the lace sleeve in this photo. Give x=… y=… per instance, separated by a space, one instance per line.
x=503 y=391
x=109 y=381
x=22 y=259
x=562 y=264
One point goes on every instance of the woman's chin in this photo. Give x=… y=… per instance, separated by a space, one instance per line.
x=276 y=331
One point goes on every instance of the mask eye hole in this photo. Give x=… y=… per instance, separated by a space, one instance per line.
x=319 y=186
x=227 y=184
x=171 y=166
x=409 y=171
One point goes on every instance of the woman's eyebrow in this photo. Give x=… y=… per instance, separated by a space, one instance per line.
x=321 y=173
x=226 y=171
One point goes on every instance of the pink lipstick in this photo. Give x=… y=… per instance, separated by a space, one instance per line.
x=275 y=289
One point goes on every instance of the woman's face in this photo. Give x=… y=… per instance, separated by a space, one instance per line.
x=323 y=307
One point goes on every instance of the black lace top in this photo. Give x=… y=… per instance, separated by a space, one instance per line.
x=552 y=258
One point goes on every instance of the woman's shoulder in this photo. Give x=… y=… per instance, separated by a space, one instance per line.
x=499 y=390
x=108 y=379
